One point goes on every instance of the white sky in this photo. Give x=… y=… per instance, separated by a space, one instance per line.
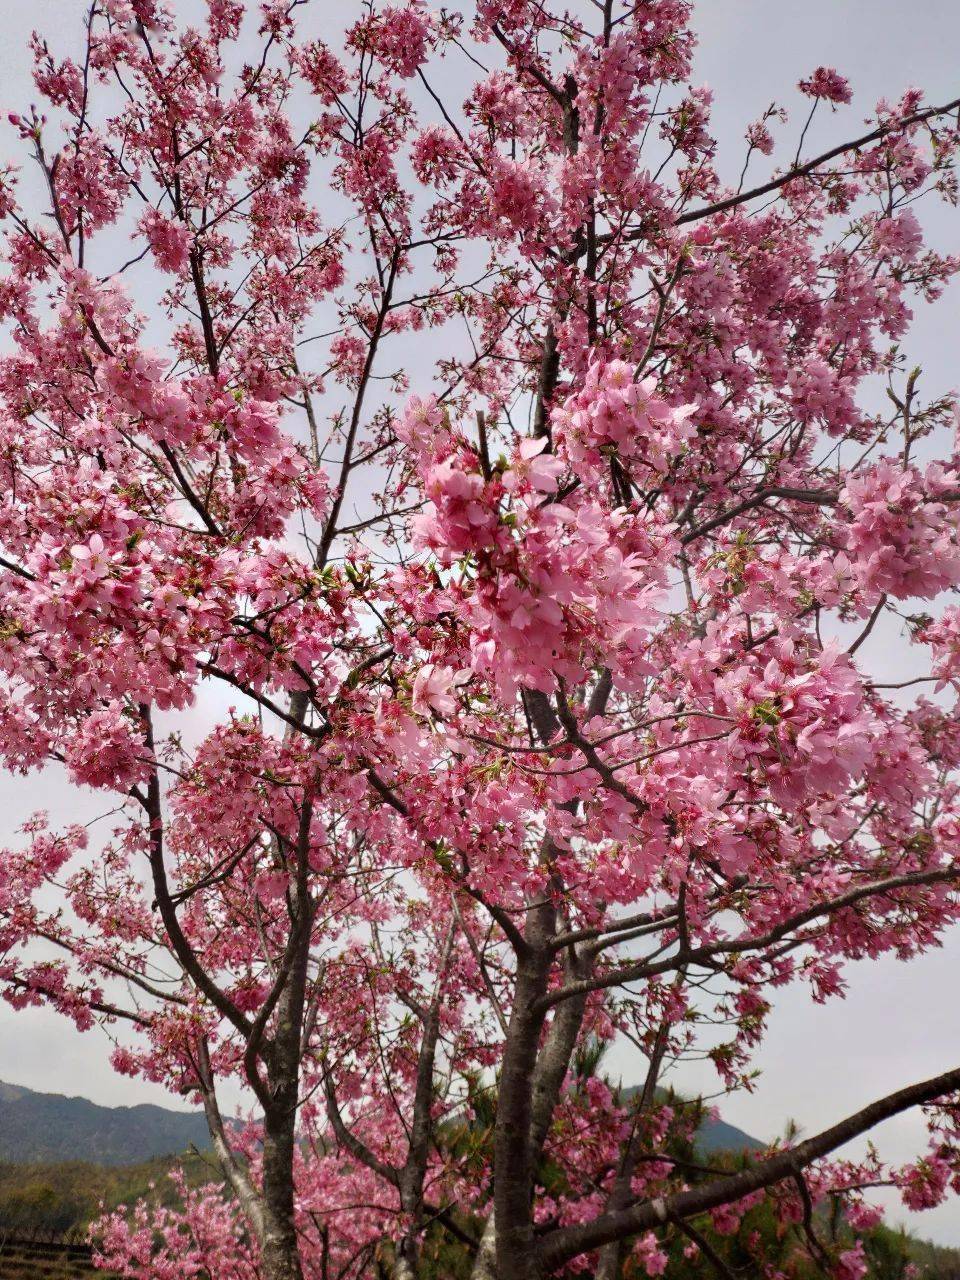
x=900 y=1022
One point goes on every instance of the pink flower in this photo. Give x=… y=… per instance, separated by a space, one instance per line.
x=899 y=236
x=170 y=240
x=432 y=689
x=531 y=466
x=90 y=558
x=900 y=538
x=924 y=1184
x=852 y=1263
x=828 y=84
x=760 y=138
x=106 y=749
x=650 y=1256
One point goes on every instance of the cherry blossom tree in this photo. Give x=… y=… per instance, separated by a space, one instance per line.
x=454 y=529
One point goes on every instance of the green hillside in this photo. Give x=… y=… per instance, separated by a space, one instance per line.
x=68 y=1196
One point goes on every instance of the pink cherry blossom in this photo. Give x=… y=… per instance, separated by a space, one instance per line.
x=432 y=689
x=449 y=533
x=826 y=83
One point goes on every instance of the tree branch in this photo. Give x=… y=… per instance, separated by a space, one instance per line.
x=568 y=1242
x=801 y=170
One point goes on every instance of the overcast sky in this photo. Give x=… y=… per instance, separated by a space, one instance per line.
x=899 y=1022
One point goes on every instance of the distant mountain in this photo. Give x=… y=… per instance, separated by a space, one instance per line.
x=50 y=1127
x=717 y=1135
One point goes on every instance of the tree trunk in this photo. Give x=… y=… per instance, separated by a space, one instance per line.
x=485 y=1263
x=513 y=1171
x=610 y=1266
x=403 y=1268
x=407 y=1261
x=280 y=1251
